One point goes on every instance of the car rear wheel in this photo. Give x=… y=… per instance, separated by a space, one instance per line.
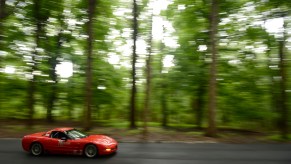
x=91 y=151
x=36 y=149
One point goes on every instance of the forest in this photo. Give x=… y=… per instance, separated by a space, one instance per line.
x=207 y=64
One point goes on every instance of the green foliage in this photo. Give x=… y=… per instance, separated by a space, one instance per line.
x=247 y=65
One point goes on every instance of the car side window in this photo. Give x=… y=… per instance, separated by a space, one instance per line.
x=62 y=135
x=58 y=135
x=53 y=134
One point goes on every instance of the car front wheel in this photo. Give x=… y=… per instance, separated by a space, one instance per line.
x=91 y=151
x=36 y=149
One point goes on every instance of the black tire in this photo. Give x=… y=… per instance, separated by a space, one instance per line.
x=90 y=151
x=36 y=149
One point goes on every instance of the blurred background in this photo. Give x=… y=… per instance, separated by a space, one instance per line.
x=204 y=66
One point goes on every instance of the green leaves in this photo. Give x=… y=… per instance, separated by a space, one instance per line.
x=248 y=66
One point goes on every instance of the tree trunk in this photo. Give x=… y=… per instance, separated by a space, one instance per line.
x=2 y=16
x=198 y=105
x=31 y=99
x=147 y=98
x=53 y=76
x=163 y=87
x=53 y=89
x=2 y=9
x=133 y=73
x=148 y=84
x=211 y=130
x=283 y=122
x=88 y=87
x=70 y=107
x=32 y=81
x=165 y=112
x=274 y=85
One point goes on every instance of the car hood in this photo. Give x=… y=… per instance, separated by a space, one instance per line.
x=100 y=139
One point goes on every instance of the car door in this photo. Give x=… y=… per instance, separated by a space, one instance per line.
x=71 y=146
x=65 y=145
x=59 y=143
x=54 y=143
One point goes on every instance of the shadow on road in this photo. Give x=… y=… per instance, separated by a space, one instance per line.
x=71 y=157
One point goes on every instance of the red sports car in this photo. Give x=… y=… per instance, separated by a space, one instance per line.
x=68 y=141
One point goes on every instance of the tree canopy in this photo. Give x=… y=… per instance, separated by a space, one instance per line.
x=204 y=63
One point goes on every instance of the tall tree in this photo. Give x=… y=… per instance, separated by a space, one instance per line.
x=281 y=9
x=5 y=12
x=133 y=71
x=211 y=130
x=198 y=102
x=88 y=88
x=163 y=88
x=147 y=99
x=2 y=16
x=283 y=123
x=54 y=50
x=52 y=97
x=3 y=9
x=39 y=18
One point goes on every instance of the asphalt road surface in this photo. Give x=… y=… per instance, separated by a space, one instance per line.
x=160 y=153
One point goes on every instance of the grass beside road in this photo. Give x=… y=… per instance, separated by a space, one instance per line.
x=121 y=132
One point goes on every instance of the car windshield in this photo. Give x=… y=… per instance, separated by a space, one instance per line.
x=76 y=134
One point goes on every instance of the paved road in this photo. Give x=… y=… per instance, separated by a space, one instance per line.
x=160 y=153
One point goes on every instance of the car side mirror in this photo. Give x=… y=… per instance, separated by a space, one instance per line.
x=64 y=139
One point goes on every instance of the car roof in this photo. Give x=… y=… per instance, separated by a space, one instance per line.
x=62 y=129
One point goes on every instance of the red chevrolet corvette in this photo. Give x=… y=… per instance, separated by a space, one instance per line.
x=68 y=141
